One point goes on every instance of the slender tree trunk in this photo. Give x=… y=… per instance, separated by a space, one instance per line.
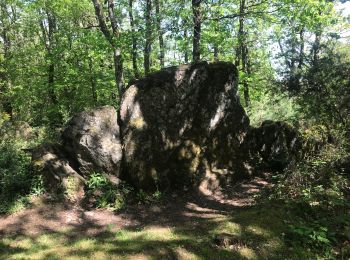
x=160 y=34
x=197 y=21
x=216 y=53
x=186 y=42
x=5 y=77
x=242 y=57
x=51 y=81
x=301 y=50
x=241 y=35
x=316 y=47
x=51 y=30
x=92 y=81
x=117 y=54
x=247 y=71
x=148 y=44
x=134 y=43
x=112 y=38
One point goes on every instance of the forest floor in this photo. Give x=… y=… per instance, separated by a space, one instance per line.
x=186 y=226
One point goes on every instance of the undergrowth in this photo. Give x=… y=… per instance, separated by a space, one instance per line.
x=316 y=192
x=17 y=181
x=103 y=193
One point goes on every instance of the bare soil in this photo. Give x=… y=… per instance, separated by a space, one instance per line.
x=45 y=216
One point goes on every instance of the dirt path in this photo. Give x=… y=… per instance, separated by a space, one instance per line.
x=43 y=216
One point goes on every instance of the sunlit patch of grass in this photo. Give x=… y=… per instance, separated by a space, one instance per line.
x=259 y=232
x=247 y=253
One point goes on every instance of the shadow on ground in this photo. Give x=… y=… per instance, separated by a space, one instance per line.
x=180 y=227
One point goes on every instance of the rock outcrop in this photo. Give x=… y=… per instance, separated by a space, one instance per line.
x=178 y=127
x=176 y=120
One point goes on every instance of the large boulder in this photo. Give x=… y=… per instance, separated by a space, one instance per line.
x=92 y=140
x=179 y=121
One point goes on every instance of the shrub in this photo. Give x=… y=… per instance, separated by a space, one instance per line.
x=275 y=107
x=17 y=181
x=105 y=194
x=317 y=193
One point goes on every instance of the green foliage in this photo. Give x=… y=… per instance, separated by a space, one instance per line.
x=106 y=194
x=143 y=197
x=317 y=192
x=17 y=181
x=276 y=107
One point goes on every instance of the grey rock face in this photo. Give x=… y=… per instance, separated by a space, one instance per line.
x=91 y=138
x=178 y=121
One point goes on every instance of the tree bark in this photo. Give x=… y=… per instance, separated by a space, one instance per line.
x=48 y=34
x=5 y=77
x=160 y=34
x=242 y=57
x=316 y=47
x=112 y=38
x=197 y=21
x=133 y=38
x=216 y=52
x=148 y=44
x=247 y=71
x=301 y=50
x=92 y=81
x=186 y=56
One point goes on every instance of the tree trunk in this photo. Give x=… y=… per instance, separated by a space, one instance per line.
x=186 y=43
x=241 y=35
x=50 y=45
x=5 y=77
x=242 y=57
x=160 y=34
x=117 y=54
x=301 y=50
x=216 y=53
x=247 y=72
x=92 y=81
x=316 y=47
x=148 y=44
x=197 y=21
x=134 y=43
x=112 y=38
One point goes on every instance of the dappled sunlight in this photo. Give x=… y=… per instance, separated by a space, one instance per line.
x=186 y=228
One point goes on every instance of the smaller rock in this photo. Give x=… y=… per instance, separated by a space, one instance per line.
x=277 y=143
x=92 y=139
x=58 y=175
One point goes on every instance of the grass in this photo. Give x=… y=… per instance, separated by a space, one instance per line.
x=259 y=230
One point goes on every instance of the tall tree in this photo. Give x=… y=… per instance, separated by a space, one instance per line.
x=242 y=57
x=133 y=38
x=112 y=38
x=48 y=27
x=160 y=33
x=197 y=26
x=148 y=36
x=5 y=80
